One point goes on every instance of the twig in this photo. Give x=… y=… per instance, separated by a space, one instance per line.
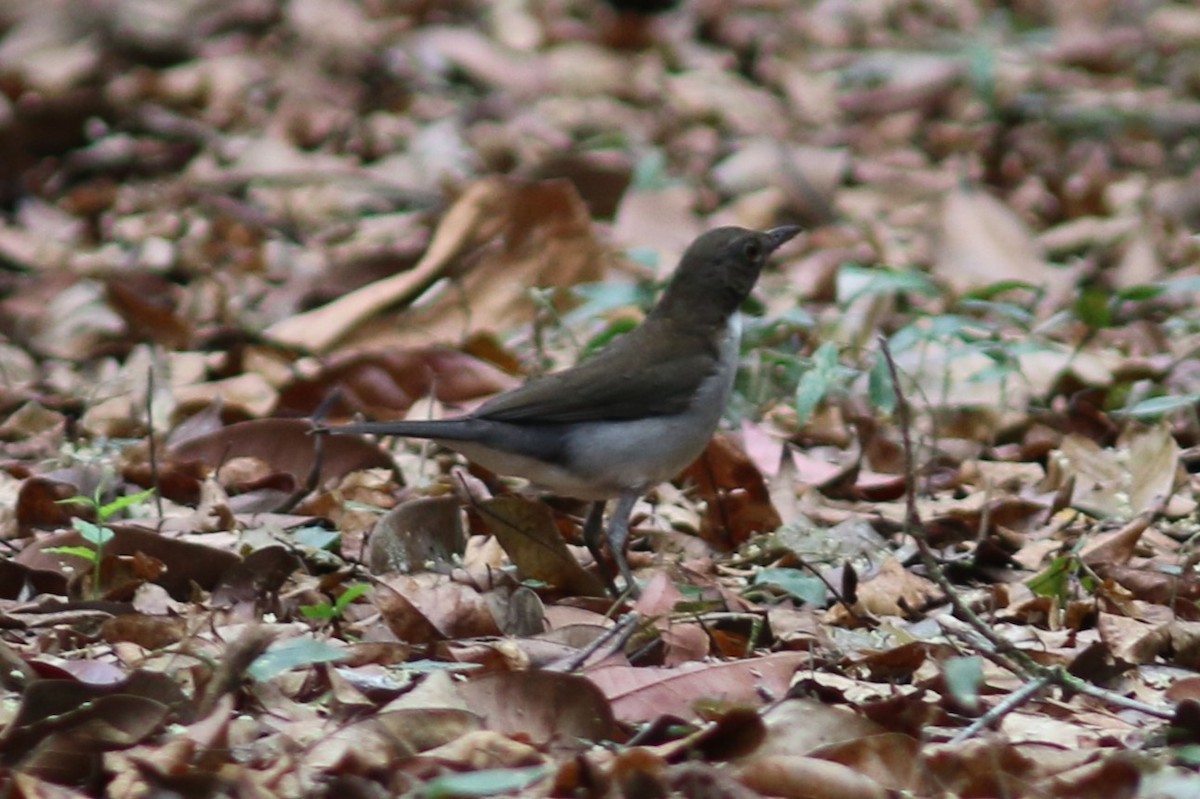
x=837 y=595
x=151 y=442
x=982 y=646
x=995 y=648
x=912 y=526
x=621 y=631
x=313 y=479
x=1025 y=693
x=1072 y=683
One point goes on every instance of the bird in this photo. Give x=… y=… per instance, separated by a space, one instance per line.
x=633 y=415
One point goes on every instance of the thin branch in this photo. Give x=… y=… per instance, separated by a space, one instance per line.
x=152 y=443
x=989 y=645
x=1072 y=683
x=618 y=634
x=912 y=526
x=1022 y=695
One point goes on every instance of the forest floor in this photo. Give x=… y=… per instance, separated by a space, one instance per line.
x=221 y=220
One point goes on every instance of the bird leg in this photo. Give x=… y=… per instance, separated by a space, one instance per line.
x=592 y=528
x=618 y=534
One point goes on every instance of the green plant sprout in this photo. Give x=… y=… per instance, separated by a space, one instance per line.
x=1063 y=573
x=327 y=612
x=97 y=535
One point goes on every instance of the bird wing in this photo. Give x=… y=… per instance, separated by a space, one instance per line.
x=640 y=374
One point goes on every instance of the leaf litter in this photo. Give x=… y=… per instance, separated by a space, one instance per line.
x=220 y=221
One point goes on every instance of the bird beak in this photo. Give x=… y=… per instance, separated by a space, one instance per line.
x=779 y=235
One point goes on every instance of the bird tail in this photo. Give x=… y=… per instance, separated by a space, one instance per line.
x=446 y=429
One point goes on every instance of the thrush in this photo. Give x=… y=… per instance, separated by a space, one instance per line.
x=633 y=415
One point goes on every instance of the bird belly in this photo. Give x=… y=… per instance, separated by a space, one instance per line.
x=640 y=453
x=601 y=460
x=554 y=476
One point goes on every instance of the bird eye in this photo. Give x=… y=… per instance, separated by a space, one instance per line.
x=752 y=249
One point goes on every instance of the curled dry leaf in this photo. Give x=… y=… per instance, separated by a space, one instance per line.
x=61 y=726
x=527 y=531
x=639 y=694
x=419 y=535
x=892 y=759
x=892 y=591
x=737 y=501
x=186 y=562
x=425 y=607
x=383 y=384
x=808 y=777
x=540 y=236
x=545 y=707
x=481 y=750
x=286 y=445
x=801 y=726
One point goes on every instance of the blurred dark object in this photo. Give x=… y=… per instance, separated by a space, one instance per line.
x=643 y=6
x=631 y=26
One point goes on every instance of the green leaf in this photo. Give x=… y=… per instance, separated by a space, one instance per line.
x=80 y=552
x=106 y=512
x=599 y=299
x=816 y=382
x=92 y=532
x=993 y=290
x=1093 y=309
x=321 y=612
x=795 y=318
x=650 y=172
x=645 y=256
x=801 y=586
x=1007 y=311
x=981 y=71
x=908 y=337
x=809 y=394
x=951 y=325
x=292 y=654
x=1158 y=406
x=77 y=500
x=880 y=390
x=316 y=537
x=997 y=373
x=929 y=330
x=613 y=331
x=1187 y=755
x=964 y=677
x=487 y=782
x=826 y=358
x=1140 y=293
x=1053 y=581
x=351 y=593
x=855 y=281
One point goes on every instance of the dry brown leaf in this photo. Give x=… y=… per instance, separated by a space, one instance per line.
x=543 y=707
x=526 y=530
x=892 y=591
x=422 y=534
x=471 y=220
x=983 y=242
x=527 y=235
x=419 y=606
x=287 y=445
x=640 y=694
x=808 y=778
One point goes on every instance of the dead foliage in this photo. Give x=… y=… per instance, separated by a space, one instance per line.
x=219 y=220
